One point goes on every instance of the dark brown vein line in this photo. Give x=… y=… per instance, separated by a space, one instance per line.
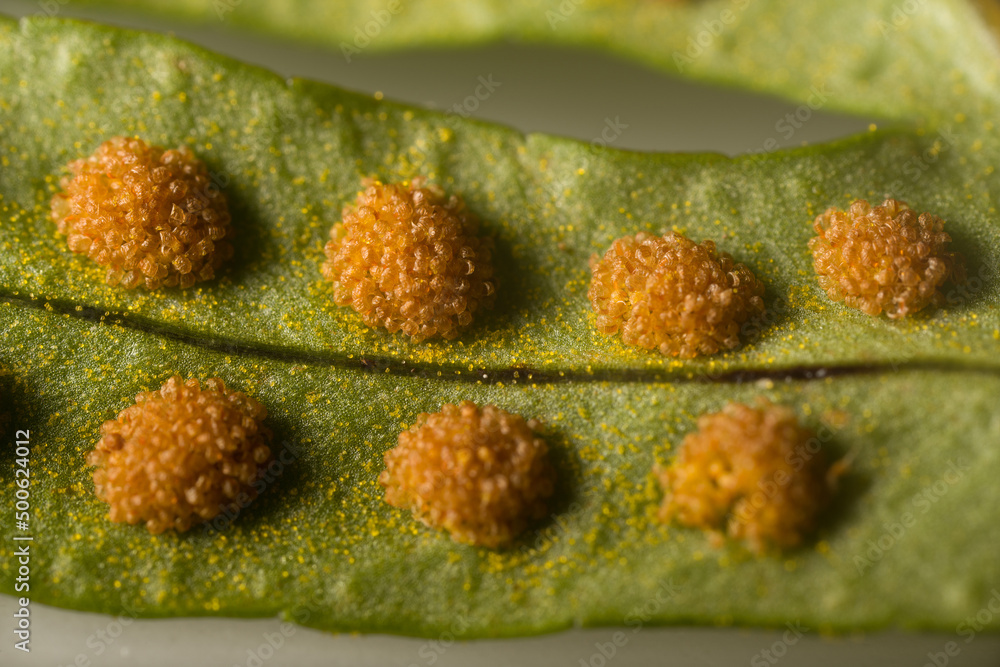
x=454 y=373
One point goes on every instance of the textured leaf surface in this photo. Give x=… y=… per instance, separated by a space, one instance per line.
x=884 y=57
x=292 y=156
x=320 y=538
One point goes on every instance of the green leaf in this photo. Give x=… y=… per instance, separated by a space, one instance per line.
x=292 y=155
x=884 y=57
x=320 y=545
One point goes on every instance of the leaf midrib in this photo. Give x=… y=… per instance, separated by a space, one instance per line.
x=386 y=365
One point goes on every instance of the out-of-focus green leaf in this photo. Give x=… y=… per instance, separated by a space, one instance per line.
x=893 y=58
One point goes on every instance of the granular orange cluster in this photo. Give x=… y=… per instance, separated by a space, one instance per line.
x=883 y=258
x=152 y=216
x=409 y=260
x=479 y=473
x=754 y=471
x=673 y=295
x=180 y=454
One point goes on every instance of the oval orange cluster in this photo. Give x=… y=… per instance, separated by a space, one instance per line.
x=480 y=473
x=152 y=216
x=753 y=472
x=883 y=258
x=673 y=295
x=408 y=259
x=180 y=454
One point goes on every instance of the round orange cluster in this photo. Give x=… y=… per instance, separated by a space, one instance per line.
x=152 y=216
x=673 y=295
x=883 y=258
x=755 y=470
x=479 y=473
x=180 y=454
x=408 y=259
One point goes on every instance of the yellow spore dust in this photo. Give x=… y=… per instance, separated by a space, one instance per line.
x=480 y=473
x=672 y=295
x=883 y=258
x=754 y=471
x=180 y=454
x=152 y=216
x=408 y=259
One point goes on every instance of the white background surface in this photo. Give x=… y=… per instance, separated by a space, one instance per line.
x=567 y=92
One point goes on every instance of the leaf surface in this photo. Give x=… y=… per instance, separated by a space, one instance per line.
x=883 y=57
x=911 y=399
x=322 y=546
x=291 y=156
